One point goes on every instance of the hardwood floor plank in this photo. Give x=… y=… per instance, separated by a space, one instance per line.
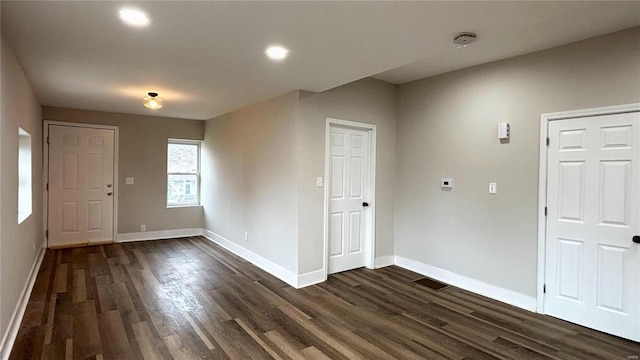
x=86 y=333
x=191 y=299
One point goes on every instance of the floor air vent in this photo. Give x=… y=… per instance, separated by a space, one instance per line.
x=431 y=284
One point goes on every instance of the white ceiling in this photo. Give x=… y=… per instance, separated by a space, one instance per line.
x=207 y=58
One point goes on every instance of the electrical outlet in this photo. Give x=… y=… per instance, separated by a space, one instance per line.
x=143 y=227
x=246 y=236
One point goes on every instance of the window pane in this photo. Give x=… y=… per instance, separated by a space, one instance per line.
x=182 y=190
x=24 y=175
x=182 y=158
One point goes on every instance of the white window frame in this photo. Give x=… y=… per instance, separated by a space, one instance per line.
x=197 y=143
x=25 y=173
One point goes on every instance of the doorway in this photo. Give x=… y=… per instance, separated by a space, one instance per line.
x=589 y=247
x=81 y=184
x=349 y=195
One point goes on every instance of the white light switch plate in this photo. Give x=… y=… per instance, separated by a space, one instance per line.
x=319 y=181
x=128 y=181
x=493 y=188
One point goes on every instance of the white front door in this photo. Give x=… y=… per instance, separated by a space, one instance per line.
x=81 y=188
x=592 y=272
x=348 y=191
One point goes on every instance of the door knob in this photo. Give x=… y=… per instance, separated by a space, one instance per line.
x=109 y=193
x=365 y=204
x=109 y=185
x=636 y=239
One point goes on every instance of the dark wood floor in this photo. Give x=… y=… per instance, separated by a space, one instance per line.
x=190 y=299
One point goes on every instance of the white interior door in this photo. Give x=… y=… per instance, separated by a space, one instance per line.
x=81 y=188
x=349 y=188
x=592 y=272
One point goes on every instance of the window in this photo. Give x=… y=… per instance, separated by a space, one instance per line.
x=183 y=173
x=24 y=175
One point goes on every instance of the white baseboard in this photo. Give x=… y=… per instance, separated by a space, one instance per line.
x=311 y=278
x=383 y=261
x=158 y=235
x=14 y=324
x=265 y=264
x=494 y=292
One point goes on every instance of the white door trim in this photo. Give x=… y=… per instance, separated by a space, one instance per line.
x=45 y=172
x=370 y=240
x=542 y=179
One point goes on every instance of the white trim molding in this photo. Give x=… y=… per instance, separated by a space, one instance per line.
x=491 y=291
x=383 y=261
x=265 y=264
x=310 y=278
x=542 y=179
x=157 y=235
x=14 y=324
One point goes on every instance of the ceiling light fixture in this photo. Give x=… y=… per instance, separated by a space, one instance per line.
x=152 y=101
x=464 y=38
x=134 y=17
x=276 y=52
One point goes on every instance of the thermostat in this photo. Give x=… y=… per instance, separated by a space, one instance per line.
x=446 y=183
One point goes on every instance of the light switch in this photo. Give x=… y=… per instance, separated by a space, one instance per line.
x=319 y=181
x=493 y=188
x=128 y=181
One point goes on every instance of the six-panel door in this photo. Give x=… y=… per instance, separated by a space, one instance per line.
x=349 y=173
x=81 y=187
x=592 y=265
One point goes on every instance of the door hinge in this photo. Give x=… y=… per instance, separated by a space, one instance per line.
x=544 y=288
x=548 y=141
x=47 y=140
x=545 y=211
x=47 y=187
x=46 y=234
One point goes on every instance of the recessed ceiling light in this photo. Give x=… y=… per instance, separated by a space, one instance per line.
x=276 y=52
x=134 y=17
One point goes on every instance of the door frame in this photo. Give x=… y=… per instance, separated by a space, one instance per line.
x=542 y=179
x=370 y=239
x=45 y=172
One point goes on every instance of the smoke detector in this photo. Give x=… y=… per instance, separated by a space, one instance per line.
x=464 y=38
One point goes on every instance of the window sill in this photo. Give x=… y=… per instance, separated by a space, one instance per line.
x=183 y=206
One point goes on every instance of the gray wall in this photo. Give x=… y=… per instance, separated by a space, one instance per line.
x=143 y=156
x=250 y=178
x=367 y=101
x=19 y=244
x=447 y=128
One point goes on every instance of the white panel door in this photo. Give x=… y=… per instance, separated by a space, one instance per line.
x=81 y=187
x=348 y=190
x=592 y=270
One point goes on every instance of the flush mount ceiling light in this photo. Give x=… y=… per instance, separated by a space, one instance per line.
x=464 y=38
x=152 y=101
x=134 y=17
x=276 y=52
